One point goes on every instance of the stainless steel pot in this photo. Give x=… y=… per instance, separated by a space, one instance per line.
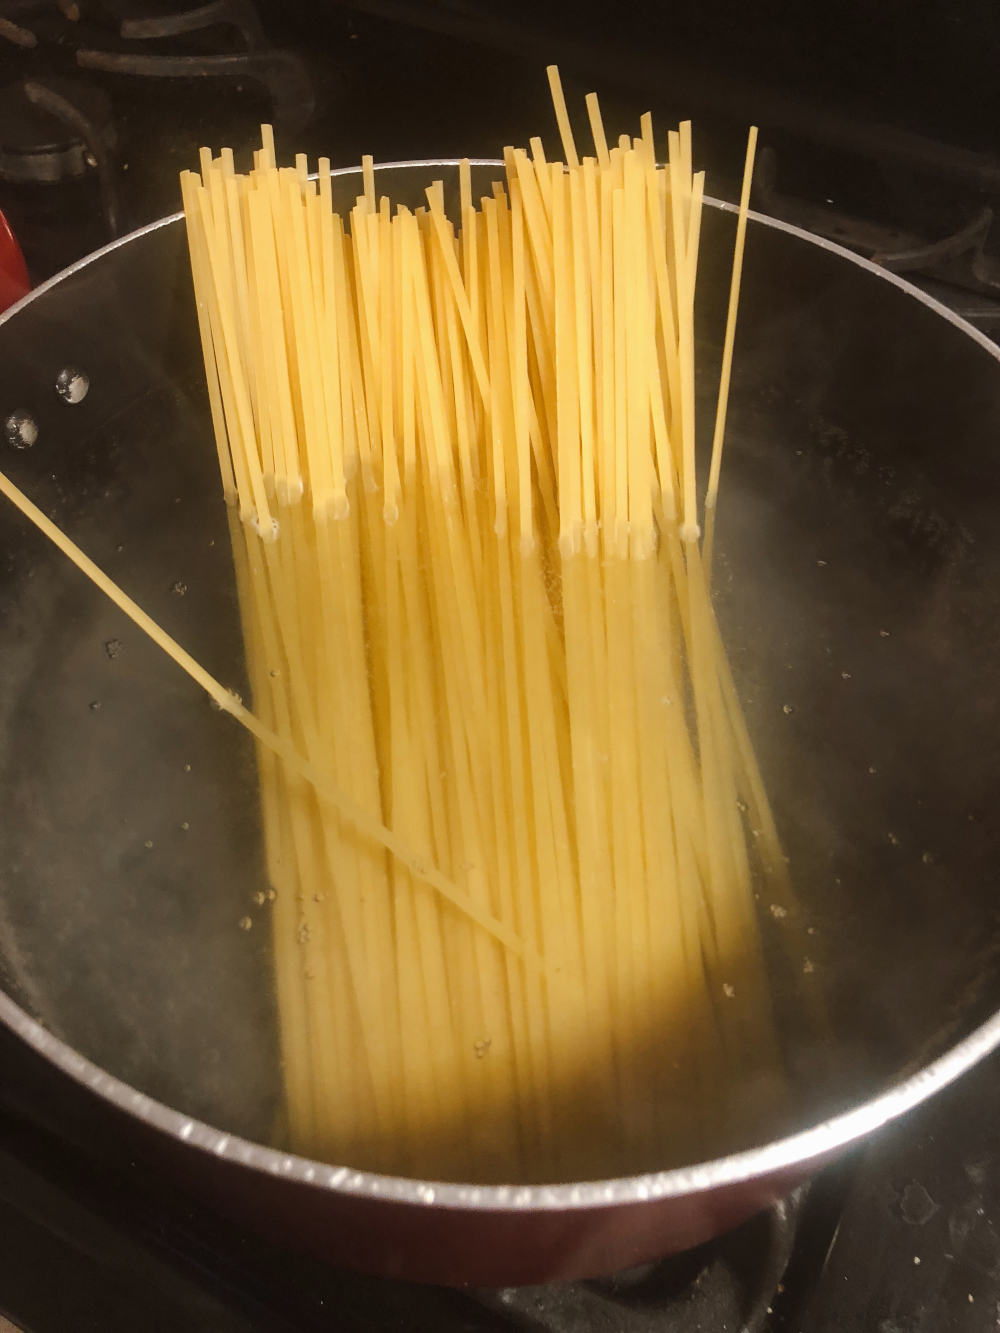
x=858 y=586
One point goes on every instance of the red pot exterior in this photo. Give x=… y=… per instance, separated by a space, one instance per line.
x=14 y=281
x=417 y=1242
x=474 y=1247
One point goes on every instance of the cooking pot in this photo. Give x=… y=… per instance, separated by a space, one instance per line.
x=857 y=580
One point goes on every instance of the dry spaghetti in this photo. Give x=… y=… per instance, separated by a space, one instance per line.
x=460 y=455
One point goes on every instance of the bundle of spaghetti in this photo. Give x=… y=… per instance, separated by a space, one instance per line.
x=460 y=456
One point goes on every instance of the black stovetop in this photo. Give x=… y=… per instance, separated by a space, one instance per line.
x=902 y=1235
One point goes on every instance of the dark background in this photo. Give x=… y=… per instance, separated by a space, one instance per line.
x=885 y=112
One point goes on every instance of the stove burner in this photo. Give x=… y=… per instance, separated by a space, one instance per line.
x=221 y=41
x=727 y=1286
x=54 y=130
x=85 y=111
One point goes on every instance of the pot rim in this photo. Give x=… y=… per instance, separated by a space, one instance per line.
x=791 y=1151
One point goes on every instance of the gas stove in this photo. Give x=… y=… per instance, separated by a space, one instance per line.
x=100 y=106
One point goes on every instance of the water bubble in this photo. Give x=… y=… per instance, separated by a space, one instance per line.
x=113 y=648
x=260 y=898
x=148 y=844
x=187 y=768
x=72 y=385
x=778 y=912
x=185 y=826
x=303 y=933
x=21 y=430
x=95 y=705
x=788 y=709
x=845 y=675
x=180 y=588
x=246 y=923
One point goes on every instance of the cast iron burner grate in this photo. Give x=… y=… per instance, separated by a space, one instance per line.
x=162 y=40
x=727 y=1286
